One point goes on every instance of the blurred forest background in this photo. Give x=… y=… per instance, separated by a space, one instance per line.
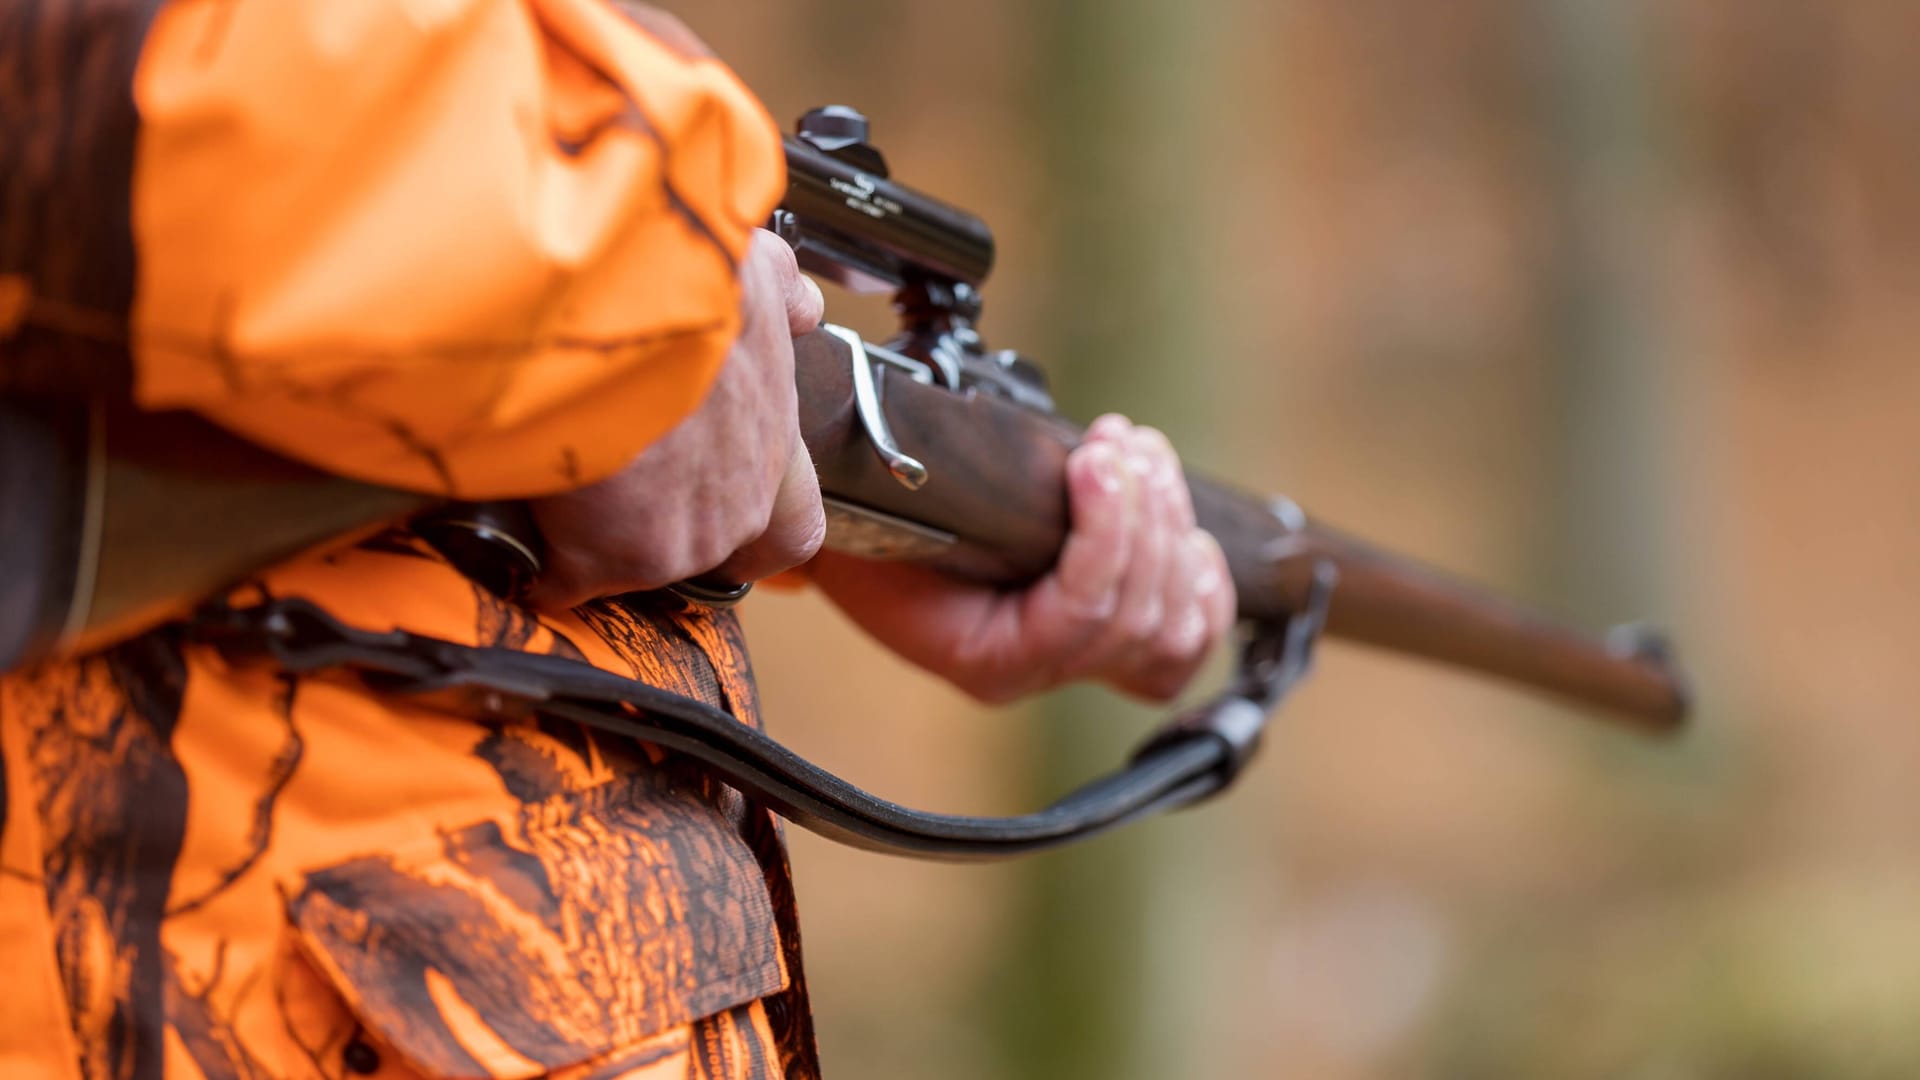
x=1608 y=304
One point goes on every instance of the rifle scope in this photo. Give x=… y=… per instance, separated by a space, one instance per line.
x=852 y=225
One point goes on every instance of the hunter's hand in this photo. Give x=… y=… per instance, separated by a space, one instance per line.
x=729 y=492
x=1138 y=599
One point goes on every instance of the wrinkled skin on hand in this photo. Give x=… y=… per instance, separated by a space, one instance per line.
x=1139 y=597
x=728 y=492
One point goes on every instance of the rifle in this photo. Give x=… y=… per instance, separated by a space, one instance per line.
x=928 y=447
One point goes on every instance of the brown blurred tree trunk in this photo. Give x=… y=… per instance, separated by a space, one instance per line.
x=1089 y=986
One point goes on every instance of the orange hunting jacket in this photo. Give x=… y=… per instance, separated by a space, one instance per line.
x=473 y=247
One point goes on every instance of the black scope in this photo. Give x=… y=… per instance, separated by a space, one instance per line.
x=848 y=222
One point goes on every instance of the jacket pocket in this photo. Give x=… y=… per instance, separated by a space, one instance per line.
x=587 y=923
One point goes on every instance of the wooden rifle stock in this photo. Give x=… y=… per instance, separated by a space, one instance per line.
x=994 y=487
x=187 y=510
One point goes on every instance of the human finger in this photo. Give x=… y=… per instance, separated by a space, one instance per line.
x=805 y=306
x=798 y=294
x=1157 y=654
x=626 y=554
x=1214 y=585
x=1171 y=476
x=1086 y=581
x=1139 y=607
x=1185 y=640
x=796 y=525
x=1000 y=647
x=1071 y=606
x=1005 y=650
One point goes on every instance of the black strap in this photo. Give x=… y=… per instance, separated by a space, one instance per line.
x=1190 y=759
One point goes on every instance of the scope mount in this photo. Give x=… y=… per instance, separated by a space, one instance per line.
x=851 y=223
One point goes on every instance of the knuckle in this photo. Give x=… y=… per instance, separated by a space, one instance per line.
x=1085 y=614
x=740 y=535
x=776 y=253
x=784 y=547
x=1186 y=639
x=706 y=551
x=1085 y=592
x=806 y=306
x=1141 y=624
x=811 y=535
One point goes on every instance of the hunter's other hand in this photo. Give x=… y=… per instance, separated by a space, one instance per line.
x=729 y=492
x=1139 y=598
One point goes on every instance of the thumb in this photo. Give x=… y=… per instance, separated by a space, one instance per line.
x=796 y=527
x=805 y=306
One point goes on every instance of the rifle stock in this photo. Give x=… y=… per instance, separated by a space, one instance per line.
x=188 y=510
x=995 y=487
